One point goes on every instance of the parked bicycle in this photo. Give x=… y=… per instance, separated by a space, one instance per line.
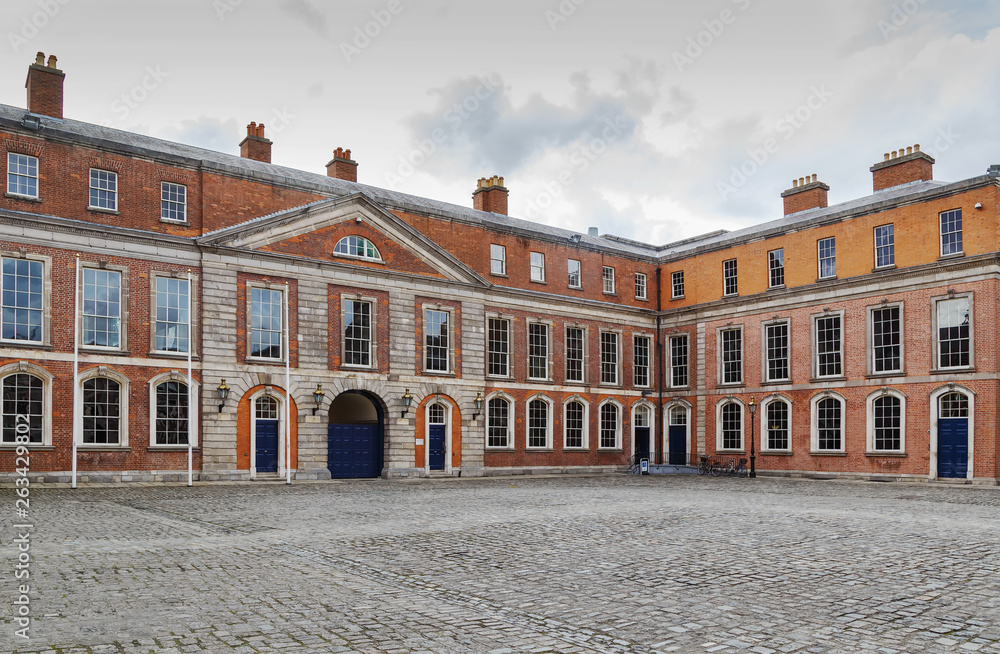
x=718 y=466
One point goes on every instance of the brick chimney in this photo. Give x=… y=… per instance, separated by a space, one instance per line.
x=342 y=166
x=45 y=87
x=806 y=193
x=902 y=167
x=255 y=146
x=490 y=195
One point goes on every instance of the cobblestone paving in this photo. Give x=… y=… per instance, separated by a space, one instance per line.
x=603 y=564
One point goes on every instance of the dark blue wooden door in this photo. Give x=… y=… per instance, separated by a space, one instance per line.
x=435 y=445
x=953 y=447
x=354 y=451
x=267 y=446
x=641 y=443
x=677 y=442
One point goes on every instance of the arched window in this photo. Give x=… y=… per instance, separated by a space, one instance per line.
x=886 y=421
x=951 y=405
x=610 y=426
x=357 y=246
x=266 y=408
x=730 y=426
x=102 y=411
x=678 y=416
x=171 y=413
x=776 y=426
x=575 y=424
x=641 y=417
x=499 y=419
x=539 y=421
x=23 y=400
x=828 y=423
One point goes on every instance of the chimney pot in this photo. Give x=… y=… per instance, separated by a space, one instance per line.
x=52 y=61
x=40 y=59
x=342 y=166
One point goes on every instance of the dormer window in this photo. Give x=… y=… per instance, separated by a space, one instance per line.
x=357 y=246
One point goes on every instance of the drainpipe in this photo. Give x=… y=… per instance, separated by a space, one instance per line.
x=657 y=413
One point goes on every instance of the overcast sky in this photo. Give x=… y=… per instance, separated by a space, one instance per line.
x=632 y=116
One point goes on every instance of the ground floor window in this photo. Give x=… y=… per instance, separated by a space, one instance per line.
x=23 y=398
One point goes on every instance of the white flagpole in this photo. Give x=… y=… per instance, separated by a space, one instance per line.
x=76 y=362
x=192 y=410
x=288 y=393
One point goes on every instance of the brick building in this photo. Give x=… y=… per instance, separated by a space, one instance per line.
x=334 y=328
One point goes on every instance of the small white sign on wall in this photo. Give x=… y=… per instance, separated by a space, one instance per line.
x=420 y=441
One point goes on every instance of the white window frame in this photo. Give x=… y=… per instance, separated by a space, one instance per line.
x=618 y=357
x=549 y=421
x=166 y=202
x=373 y=331
x=718 y=424
x=762 y=412
x=766 y=351
x=450 y=347
x=27 y=368
x=890 y=245
x=687 y=359
x=498 y=260
x=355 y=243
x=511 y=419
x=585 y=354
x=936 y=331
x=870 y=407
x=870 y=337
x=280 y=288
x=176 y=376
x=112 y=176
x=814 y=422
x=155 y=276
x=123 y=297
x=720 y=355
x=548 y=348
x=776 y=268
x=820 y=258
x=618 y=426
x=123 y=407
x=608 y=280
x=730 y=273
x=942 y=233
x=578 y=273
x=15 y=164
x=815 y=318
x=46 y=297
x=537 y=264
x=585 y=431
x=640 y=286
x=677 y=283
x=649 y=360
x=508 y=321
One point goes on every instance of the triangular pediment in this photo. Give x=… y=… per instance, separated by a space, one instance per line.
x=313 y=231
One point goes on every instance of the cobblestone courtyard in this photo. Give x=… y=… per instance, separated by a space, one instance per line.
x=604 y=564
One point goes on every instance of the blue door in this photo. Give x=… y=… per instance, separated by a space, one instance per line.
x=641 y=443
x=435 y=444
x=677 y=442
x=953 y=447
x=354 y=451
x=266 y=458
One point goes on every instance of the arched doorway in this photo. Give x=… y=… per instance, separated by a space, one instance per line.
x=355 y=437
x=953 y=435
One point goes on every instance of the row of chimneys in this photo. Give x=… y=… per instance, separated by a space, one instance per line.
x=45 y=97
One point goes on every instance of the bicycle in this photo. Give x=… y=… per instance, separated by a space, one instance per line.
x=703 y=465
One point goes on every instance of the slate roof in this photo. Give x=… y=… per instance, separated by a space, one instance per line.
x=138 y=144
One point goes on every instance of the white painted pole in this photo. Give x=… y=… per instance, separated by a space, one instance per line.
x=191 y=409
x=76 y=362
x=288 y=392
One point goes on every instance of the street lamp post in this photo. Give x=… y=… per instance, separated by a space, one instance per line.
x=753 y=451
